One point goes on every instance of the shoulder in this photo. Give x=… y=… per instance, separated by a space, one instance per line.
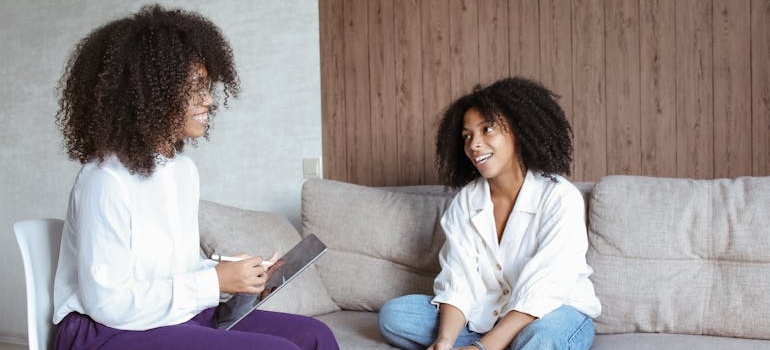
x=559 y=191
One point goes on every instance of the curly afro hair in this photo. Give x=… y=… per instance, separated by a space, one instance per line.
x=127 y=85
x=542 y=133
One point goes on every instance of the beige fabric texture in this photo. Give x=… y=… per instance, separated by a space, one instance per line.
x=383 y=242
x=681 y=255
x=223 y=228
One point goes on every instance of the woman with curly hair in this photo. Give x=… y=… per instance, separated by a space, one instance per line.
x=513 y=268
x=130 y=275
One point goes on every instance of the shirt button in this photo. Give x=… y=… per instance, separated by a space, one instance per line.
x=506 y=291
x=498 y=267
x=495 y=313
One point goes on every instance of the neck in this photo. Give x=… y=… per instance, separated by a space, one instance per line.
x=507 y=185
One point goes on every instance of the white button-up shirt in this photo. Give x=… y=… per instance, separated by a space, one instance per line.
x=538 y=265
x=130 y=256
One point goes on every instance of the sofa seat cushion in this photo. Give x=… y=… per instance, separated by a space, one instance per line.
x=656 y=341
x=229 y=230
x=383 y=243
x=355 y=330
x=681 y=255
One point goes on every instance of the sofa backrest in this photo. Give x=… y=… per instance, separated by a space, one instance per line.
x=383 y=242
x=681 y=255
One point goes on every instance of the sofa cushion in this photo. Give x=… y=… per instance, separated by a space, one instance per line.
x=228 y=230
x=681 y=255
x=383 y=243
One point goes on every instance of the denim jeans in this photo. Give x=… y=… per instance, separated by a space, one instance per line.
x=411 y=323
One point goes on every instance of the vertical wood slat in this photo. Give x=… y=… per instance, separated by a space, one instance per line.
x=493 y=40
x=555 y=18
x=622 y=85
x=382 y=64
x=436 y=83
x=410 y=146
x=589 y=120
x=760 y=86
x=333 y=121
x=524 y=38
x=694 y=76
x=732 y=79
x=359 y=150
x=658 y=87
x=464 y=33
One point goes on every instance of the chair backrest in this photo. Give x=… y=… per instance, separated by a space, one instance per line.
x=39 y=241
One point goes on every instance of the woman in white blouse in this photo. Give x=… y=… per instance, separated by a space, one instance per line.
x=130 y=274
x=513 y=268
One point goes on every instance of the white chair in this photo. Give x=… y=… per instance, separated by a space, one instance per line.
x=39 y=240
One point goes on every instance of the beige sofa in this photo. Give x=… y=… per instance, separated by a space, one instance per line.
x=678 y=264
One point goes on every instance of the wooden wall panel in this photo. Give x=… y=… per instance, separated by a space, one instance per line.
x=589 y=121
x=382 y=92
x=651 y=87
x=464 y=45
x=694 y=89
x=409 y=99
x=493 y=40
x=555 y=47
x=356 y=67
x=436 y=81
x=622 y=80
x=657 y=77
x=760 y=87
x=334 y=119
x=524 y=38
x=732 y=79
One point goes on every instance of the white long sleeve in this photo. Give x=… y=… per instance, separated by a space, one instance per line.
x=130 y=256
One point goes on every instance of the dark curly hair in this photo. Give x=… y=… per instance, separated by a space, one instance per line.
x=127 y=84
x=542 y=133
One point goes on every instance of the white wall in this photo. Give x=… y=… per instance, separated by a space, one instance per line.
x=254 y=159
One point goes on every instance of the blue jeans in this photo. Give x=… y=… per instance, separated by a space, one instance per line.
x=410 y=322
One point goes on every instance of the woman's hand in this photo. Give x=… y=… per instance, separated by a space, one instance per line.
x=244 y=276
x=441 y=344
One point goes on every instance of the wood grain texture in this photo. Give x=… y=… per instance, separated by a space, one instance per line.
x=760 y=87
x=732 y=79
x=436 y=81
x=333 y=121
x=358 y=130
x=675 y=88
x=409 y=117
x=623 y=91
x=657 y=77
x=694 y=89
x=382 y=93
x=590 y=120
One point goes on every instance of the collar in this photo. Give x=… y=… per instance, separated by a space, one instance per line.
x=527 y=200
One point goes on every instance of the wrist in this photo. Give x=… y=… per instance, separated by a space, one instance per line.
x=479 y=345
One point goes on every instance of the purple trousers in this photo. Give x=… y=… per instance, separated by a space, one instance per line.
x=260 y=330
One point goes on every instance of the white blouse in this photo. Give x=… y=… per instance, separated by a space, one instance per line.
x=130 y=256
x=538 y=266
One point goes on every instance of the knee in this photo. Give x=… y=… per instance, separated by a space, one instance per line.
x=537 y=336
x=392 y=314
x=318 y=332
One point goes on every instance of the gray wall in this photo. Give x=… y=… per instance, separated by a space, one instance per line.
x=254 y=159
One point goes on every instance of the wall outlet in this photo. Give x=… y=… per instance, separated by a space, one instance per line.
x=311 y=168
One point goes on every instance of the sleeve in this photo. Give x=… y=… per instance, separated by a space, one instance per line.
x=456 y=282
x=549 y=276
x=111 y=293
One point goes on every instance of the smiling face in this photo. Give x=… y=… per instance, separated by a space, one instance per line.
x=196 y=117
x=490 y=146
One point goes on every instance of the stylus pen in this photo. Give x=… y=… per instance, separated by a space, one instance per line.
x=217 y=257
